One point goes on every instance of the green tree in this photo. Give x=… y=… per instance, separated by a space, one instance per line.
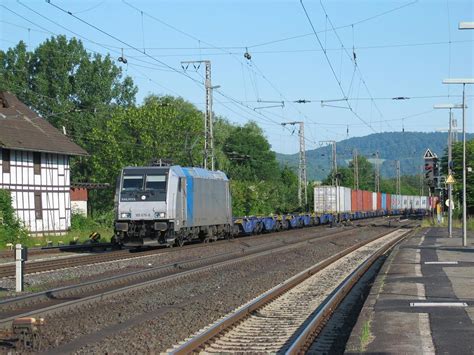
x=163 y=127
x=11 y=230
x=68 y=86
x=346 y=175
x=249 y=151
x=457 y=173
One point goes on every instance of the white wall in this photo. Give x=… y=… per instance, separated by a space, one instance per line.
x=53 y=183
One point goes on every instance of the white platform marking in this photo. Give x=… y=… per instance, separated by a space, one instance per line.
x=441 y=262
x=438 y=304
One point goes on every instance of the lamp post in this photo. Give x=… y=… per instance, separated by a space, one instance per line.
x=450 y=107
x=463 y=82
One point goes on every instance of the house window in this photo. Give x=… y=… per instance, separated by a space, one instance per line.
x=38 y=206
x=37 y=163
x=6 y=160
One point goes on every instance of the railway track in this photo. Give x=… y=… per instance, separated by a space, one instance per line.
x=32 y=267
x=288 y=317
x=4 y=254
x=44 y=304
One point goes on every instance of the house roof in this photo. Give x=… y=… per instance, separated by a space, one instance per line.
x=23 y=129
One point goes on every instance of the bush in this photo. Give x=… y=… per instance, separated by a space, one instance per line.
x=80 y=222
x=11 y=229
x=105 y=219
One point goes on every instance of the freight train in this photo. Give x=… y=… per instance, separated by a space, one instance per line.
x=172 y=205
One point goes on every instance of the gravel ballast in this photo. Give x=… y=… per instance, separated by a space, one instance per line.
x=73 y=275
x=153 y=319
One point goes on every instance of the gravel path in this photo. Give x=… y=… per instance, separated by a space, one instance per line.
x=154 y=319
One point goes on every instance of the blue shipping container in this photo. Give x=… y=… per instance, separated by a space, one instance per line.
x=384 y=201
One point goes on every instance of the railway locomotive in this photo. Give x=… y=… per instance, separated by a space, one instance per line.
x=169 y=205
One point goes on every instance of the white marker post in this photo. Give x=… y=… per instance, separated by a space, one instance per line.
x=20 y=258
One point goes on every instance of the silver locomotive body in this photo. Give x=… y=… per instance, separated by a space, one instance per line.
x=171 y=205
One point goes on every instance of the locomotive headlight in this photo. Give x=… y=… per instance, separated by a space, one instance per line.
x=125 y=215
x=159 y=215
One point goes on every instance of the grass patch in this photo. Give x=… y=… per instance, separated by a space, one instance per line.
x=81 y=228
x=365 y=336
x=457 y=223
x=33 y=289
x=74 y=235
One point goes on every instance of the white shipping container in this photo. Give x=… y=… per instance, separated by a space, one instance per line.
x=324 y=199
x=424 y=202
x=347 y=199
x=405 y=204
x=393 y=202
x=416 y=202
x=374 y=201
x=399 y=202
x=344 y=199
x=330 y=199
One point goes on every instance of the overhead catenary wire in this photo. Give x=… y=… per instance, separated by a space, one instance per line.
x=138 y=50
x=332 y=69
x=337 y=28
x=345 y=86
x=352 y=58
x=249 y=63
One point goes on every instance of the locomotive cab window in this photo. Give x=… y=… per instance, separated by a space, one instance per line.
x=132 y=183
x=156 y=184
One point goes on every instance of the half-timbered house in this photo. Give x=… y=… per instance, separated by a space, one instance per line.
x=34 y=167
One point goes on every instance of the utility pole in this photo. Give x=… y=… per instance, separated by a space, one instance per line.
x=399 y=188
x=356 y=169
x=302 y=180
x=422 y=185
x=450 y=158
x=333 y=160
x=377 y=172
x=208 y=121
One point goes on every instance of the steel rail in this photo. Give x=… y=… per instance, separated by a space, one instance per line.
x=33 y=266
x=216 y=261
x=198 y=342
x=319 y=319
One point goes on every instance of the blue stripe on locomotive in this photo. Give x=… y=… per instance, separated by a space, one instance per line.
x=189 y=197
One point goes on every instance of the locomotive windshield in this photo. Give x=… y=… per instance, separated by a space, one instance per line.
x=155 y=182
x=132 y=183
x=149 y=186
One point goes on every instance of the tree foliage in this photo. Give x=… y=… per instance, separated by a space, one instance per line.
x=409 y=184
x=11 y=230
x=457 y=173
x=68 y=86
x=88 y=95
x=250 y=155
x=163 y=127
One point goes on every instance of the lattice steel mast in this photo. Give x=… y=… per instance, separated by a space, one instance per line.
x=302 y=179
x=208 y=121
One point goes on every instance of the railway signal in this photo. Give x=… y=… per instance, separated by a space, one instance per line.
x=431 y=169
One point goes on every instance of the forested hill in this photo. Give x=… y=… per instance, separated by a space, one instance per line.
x=408 y=147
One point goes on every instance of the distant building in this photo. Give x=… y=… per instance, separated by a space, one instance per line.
x=34 y=167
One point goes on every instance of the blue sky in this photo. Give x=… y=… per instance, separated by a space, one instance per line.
x=404 y=52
